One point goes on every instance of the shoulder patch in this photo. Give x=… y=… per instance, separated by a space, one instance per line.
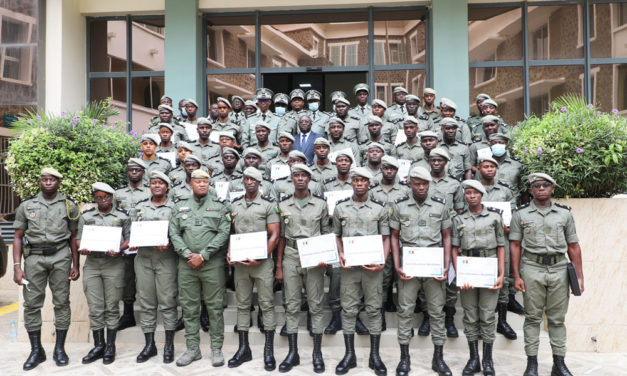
x=401 y=199
x=499 y=211
x=373 y=186
x=401 y=144
x=354 y=117
x=504 y=184
x=88 y=210
x=423 y=117
x=522 y=206
x=318 y=195
x=146 y=199
x=563 y=206
x=239 y=198
x=377 y=201
x=122 y=210
x=328 y=180
x=343 y=200
x=285 y=197
x=267 y=198
x=438 y=199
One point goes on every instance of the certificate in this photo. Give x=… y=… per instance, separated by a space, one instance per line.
x=192 y=132
x=484 y=153
x=423 y=261
x=278 y=171
x=333 y=197
x=363 y=250
x=403 y=168
x=334 y=154
x=253 y=245
x=149 y=233
x=477 y=271
x=222 y=189
x=214 y=137
x=101 y=238
x=503 y=205
x=400 y=138
x=313 y=251
x=170 y=156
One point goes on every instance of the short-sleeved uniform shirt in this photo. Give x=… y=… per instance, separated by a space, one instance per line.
x=420 y=225
x=483 y=230
x=116 y=217
x=253 y=215
x=351 y=218
x=46 y=222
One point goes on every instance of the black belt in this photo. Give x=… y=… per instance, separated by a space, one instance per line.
x=479 y=252
x=544 y=259
x=45 y=250
x=291 y=243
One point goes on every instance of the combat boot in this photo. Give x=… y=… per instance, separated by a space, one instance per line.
x=374 y=362
x=425 y=327
x=487 y=363
x=109 y=354
x=168 y=348
x=269 y=364
x=292 y=359
x=149 y=350
x=404 y=366
x=58 y=354
x=349 y=360
x=317 y=360
x=449 y=322
x=501 y=325
x=37 y=354
x=360 y=328
x=243 y=353
x=515 y=307
x=559 y=367
x=99 y=347
x=260 y=320
x=438 y=364
x=127 y=319
x=532 y=366
x=335 y=324
x=473 y=365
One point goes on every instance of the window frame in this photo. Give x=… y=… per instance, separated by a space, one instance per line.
x=25 y=48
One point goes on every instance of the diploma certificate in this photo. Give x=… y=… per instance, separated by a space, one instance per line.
x=101 y=238
x=477 y=271
x=253 y=245
x=317 y=249
x=363 y=250
x=423 y=261
x=333 y=197
x=149 y=233
x=278 y=171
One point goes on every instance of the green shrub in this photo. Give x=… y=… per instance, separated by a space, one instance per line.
x=581 y=148
x=82 y=146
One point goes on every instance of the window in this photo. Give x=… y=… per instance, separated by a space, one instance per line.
x=397 y=52
x=413 y=42
x=16 y=62
x=335 y=54
x=381 y=92
x=343 y=54
x=622 y=14
x=379 y=53
x=315 y=44
x=416 y=85
x=350 y=54
x=215 y=46
x=250 y=55
x=540 y=44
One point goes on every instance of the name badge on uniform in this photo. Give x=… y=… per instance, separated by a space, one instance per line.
x=197 y=222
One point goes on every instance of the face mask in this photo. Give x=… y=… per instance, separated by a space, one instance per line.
x=279 y=110
x=498 y=150
x=313 y=106
x=183 y=112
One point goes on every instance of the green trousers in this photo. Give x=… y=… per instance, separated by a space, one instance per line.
x=355 y=283
x=261 y=276
x=508 y=282
x=209 y=278
x=479 y=313
x=53 y=270
x=128 y=295
x=435 y=296
x=451 y=293
x=103 y=283
x=546 y=291
x=334 y=288
x=156 y=273
x=388 y=275
x=294 y=279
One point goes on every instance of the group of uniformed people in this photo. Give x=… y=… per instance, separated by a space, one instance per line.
x=248 y=170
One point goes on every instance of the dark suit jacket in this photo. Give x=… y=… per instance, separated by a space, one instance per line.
x=308 y=147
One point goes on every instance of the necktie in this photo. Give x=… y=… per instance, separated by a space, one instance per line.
x=362 y=110
x=314 y=116
x=303 y=137
x=263 y=117
x=403 y=108
x=236 y=116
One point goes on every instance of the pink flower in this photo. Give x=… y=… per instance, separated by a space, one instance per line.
x=598 y=112
x=526 y=149
x=63 y=113
x=94 y=121
x=579 y=150
x=615 y=111
x=539 y=150
x=38 y=117
x=591 y=106
x=563 y=109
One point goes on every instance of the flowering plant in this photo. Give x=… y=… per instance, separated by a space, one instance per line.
x=82 y=146
x=583 y=149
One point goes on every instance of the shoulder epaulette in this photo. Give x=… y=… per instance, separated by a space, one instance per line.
x=504 y=184
x=377 y=201
x=177 y=199
x=363 y=143
x=438 y=199
x=239 y=198
x=177 y=184
x=267 y=198
x=342 y=200
x=373 y=186
x=163 y=159
x=401 y=144
x=318 y=195
x=522 y=206
x=401 y=199
x=122 y=210
x=328 y=180
x=283 y=178
x=456 y=178
x=146 y=199
x=328 y=113
x=395 y=120
x=562 y=206
x=355 y=117
x=310 y=164
x=403 y=183
x=121 y=187
x=88 y=210
x=285 y=197
x=267 y=179
x=30 y=197
x=424 y=117
x=499 y=211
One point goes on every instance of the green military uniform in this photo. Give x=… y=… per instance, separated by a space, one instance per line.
x=209 y=154
x=265 y=187
x=449 y=189
x=360 y=112
x=342 y=144
x=285 y=187
x=319 y=121
x=335 y=184
x=167 y=149
x=103 y=275
x=479 y=235
x=322 y=173
x=254 y=216
x=178 y=174
x=289 y=122
x=47 y=225
x=474 y=149
x=545 y=234
x=420 y=225
x=181 y=191
x=302 y=219
x=433 y=114
x=510 y=171
x=248 y=135
x=179 y=134
x=269 y=152
x=352 y=126
x=278 y=160
x=476 y=128
x=352 y=218
x=156 y=272
x=410 y=152
x=157 y=164
x=387 y=136
x=201 y=225
x=236 y=129
x=460 y=158
x=462 y=135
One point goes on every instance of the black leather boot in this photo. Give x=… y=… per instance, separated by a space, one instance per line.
x=374 y=362
x=383 y=323
x=349 y=360
x=316 y=356
x=474 y=364
x=404 y=366
x=149 y=349
x=487 y=363
x=532 y=366
x=168 y=348
x=283 y=332
x=109 y=354
x=243 y=353
x=425 y=327
x=360 y=328
x=449 y=322
x=559 y=367
x=438 y=364
x=180 y=325
x=501 y=325
x=260 y=319
x=269 y=364
x=292 y=359
x=204 y=317
x=37 y=354
x=99 y=347
x=335 y=324
x=58 y=354
x=127 y=319
x=515 y=307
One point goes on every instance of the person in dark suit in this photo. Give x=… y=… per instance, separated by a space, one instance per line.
x=305 y=140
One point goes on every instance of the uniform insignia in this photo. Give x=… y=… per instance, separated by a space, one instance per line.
x=285 y=197
x=423 y=117
x=377 y=201
x=341 y=201
x=237 y=199
x=267 y=198
x=563 y=206
x=438 y=199
x=499 y=211
x=504 y=184
x=401 y=199
x=229 y=217
x=373 y=186
x=328 y=180
x=122 y=210
x=318 y=195
x=519 y=207
x=401 y=144
x=146 y=199
x=184 y=209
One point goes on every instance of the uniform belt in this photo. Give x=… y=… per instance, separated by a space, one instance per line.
x=291 y=243
x=479 y=252
x=544 y=259
x=46 y=250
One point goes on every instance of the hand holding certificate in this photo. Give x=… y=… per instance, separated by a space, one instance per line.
x=316 y=250
x=423 y=262
x=478 y=272
x=250 y=246
x=101 y=238
x=363 y=250
x=149 y=234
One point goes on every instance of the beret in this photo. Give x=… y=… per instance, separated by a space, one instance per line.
x=474 y=184
x=192 y=158
x=286 y=135
x=411 y=97
x=297 y=154
x=482 y=97
x=203 y=121
x=165 y=107
x=152 y=137
x=322 y=141
x=362 y=172
x=488 y=159
x=301 y=167
x=428 y=91
x=225 y=101
x=337 y=120
x=421 y=173
x=489 y=119
x=103 y=187
x=445 y=102
x=490 y=102
x=50 y=171
x=230 y=151
x=342 y=100
x=136 y=162
x=427 y=134
x=228 y=134
x=399 y=89
x=379 y=102
x=184 y=145
x=233 y=98
x=344 y=153
x=410 y=119
x=499 y=136
x=156 y=174
x=262 y=123
x=167 y=125
x=440 y=152
x=361 y=86
x=376 y=145
x=252 y=151
x=252 y=172
x=200 y=174
x=191 y=101
x=388 y=160
x=538 y=176
x=374 y=119
x=449 y=121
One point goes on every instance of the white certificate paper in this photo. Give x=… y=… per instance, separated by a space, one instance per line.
x=149 y=233
x=503 y=205
x=477 y=271
x=253 y=245
x=192 y=132
x=363 y=250
x=236 y=194
x=170 y=156
x=222 y=189
x=400 y=137
x=484 y=153
x=214 y=137
x=333 y=197
x=403 y=168
x=101 y=238
x=423 y=261
x=334 y=154
x=278 y=171
x=313 y=251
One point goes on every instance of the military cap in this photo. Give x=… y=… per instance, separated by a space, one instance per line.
x=440 y=152
x=449 y=121
x=412 y=97
x=191 y=101
x=539 y=176
x=281 y=98
x=296 y=167
x=228 y=134
x=345 y=153
x=297 y=154
x=252 y=151
x=490 y=102
x=361 y=86
x=264 y=93
x=337 y=120
x=362 y=172
x=152 y=137
x=337 y=94
x=167 y=125
x=50 y=171
x=399 y=89
x=474 y=184
x=165 y=107
x=225 y=101
x=489 y=119
x=192 y=158
x=427 y=134
x=445 y=102
x=136 y=162
x=421 y=173
x=163 y=97
x=322 y=141
x=488 y=159
x=103 y=187
x=286 y=135
x=410 y=119
x=156 y=174
x=482 y=97
x=200 y=174
x=234 y=97
x=251 y=103
x=428 y=91
x=376 y=145
x=342 y=100
x=297 y=93
x=228 y=150
x=374 y=119
x=379 y=102
x=252 y=172
x=499 y=136
x=203 y=121
x=313 y=95
x=388 y=160
x=263 y=124
x=184 y=145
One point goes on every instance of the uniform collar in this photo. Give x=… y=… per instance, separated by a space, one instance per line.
x=412 y=201
x=533 y=206
x=58 y=197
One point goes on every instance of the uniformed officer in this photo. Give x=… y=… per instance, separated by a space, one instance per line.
x=207 y=150
x=360 y=215
x=285 y=186
x=281 y=100
x=351 y=122
x=166 y=116
x=149 y=144
x=183 y=149
x=182 y=189
x=303 y=215
x=374 y=154
x=168 y=138
x=429 y=108
x=490 y=126
x=103 y=273
x=341 y=181
x=443 y=185
x=263 y=145
x=478 y=232
x=322 y=166
x=510 y=169
x=413 y=107
x=250 y=109
x=428 y=142
x=475 y=120
x=237 y=116
x=418 y=220
x=386 y=131
x=48 y=221
x=289 y=121
x=224 y=123
x=255 y=212
x=264 y=100
x=199 y=229
x=541 y=234
x=230 y=157
x=191 y=110
x=318 y=118
x=362 y=110
x=156 y=268
x=336 y=128
x=410 y=149
x=286 y=143
x=398 y=109
x=252 y=158
x=488 y=107
x=448 y=109
x=459 y=166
